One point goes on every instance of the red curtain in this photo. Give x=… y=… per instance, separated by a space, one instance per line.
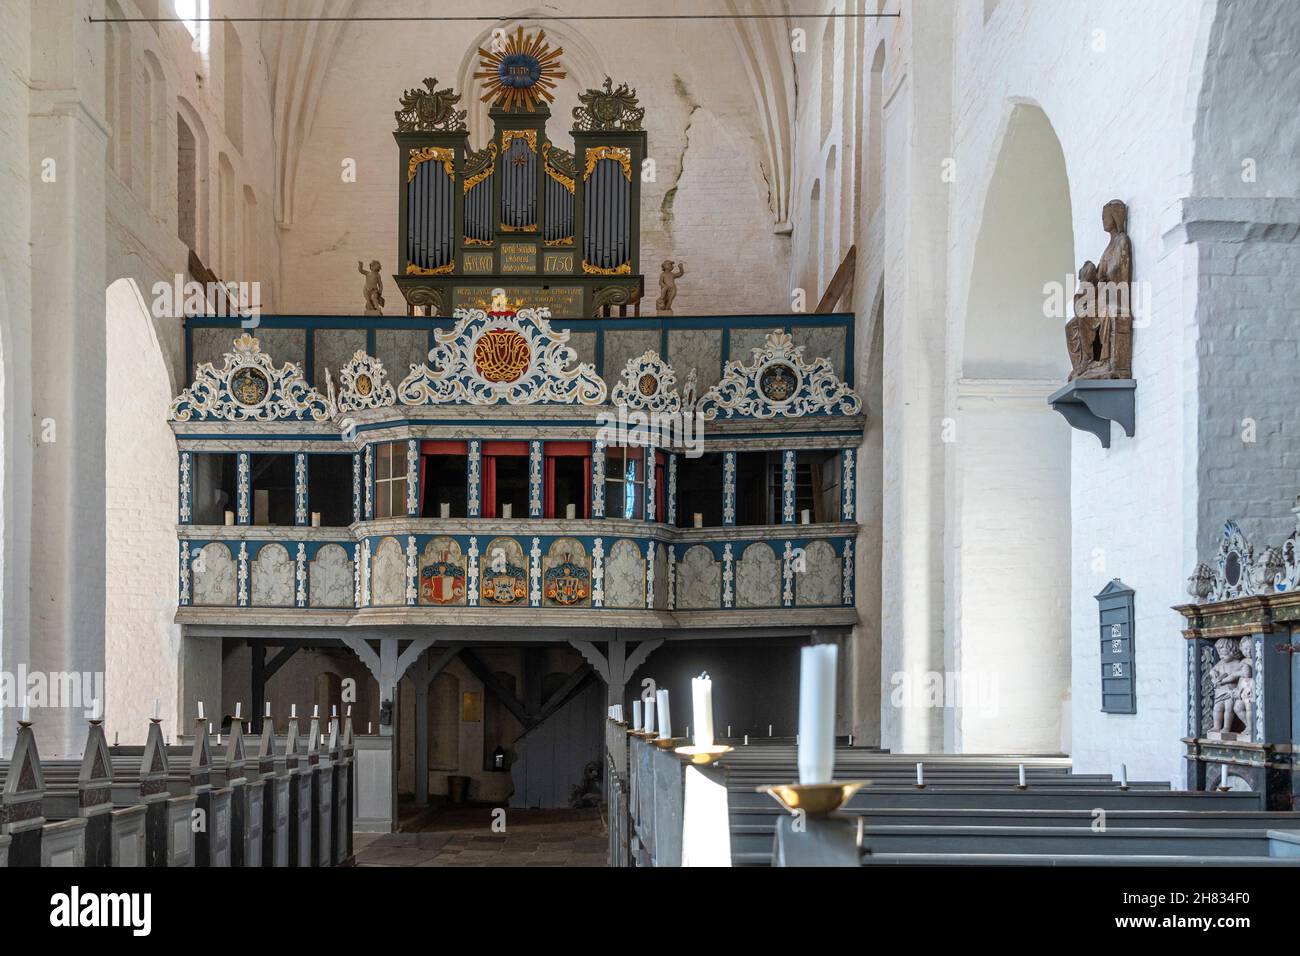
x=428 y=448
x=492 y=450
x=566 y=449
x=548 y=483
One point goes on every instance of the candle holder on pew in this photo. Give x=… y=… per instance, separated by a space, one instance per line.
x=668 y=743
x=703 y=756
x=813 y=799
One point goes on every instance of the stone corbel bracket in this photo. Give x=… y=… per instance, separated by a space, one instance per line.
x=1090 y=405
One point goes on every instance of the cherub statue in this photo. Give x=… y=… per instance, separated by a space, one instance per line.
x=1225 y=677
x=374 y=291
x=669 y=273
x=689 y=389
x=1244 y=707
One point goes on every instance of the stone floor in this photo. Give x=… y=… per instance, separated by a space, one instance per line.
x=464 y=837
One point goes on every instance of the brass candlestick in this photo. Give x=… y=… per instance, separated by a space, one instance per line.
x=704 y=755
x=814 y=799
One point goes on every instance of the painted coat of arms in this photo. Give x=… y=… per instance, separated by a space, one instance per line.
x=442 y=582
x=567 y=583
x=504 y=583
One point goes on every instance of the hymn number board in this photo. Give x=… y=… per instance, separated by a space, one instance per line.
x=1118 y=688
x=521 y=211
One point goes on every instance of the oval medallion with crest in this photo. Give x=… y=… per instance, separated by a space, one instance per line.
x=249 y=386
x=778 y=383
x=501 y=355
x=648 y=384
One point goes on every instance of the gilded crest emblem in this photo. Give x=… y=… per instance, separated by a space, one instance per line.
x=567 y=583
x=442 y=582
x=778 y=382
x=501 y=355
x=249 y=386
x=504 y=583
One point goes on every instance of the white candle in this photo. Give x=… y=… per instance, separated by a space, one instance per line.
x=1223 y=779
x=746 y=740
x=769 y=730
x=698 y=519
x=1022 y=775
x=200 y=710
x=507 y=510
x=315 y=519
x=665 y=721
x=315 y=711
x=920 y=774
x=238 y=707
x=850 y=740
x=636 y=715
x=218 y=738
x=293 y=711
x=805 y=516
x=334 y=710
x=649 y=708
x=369 y=728
x=817 y=713
x=444 y=509
x=96 y=709
x=618 y=713
x=27 y=710
x=570 y=510
x=349 y=711
x=230 y=517
x=268 y=709
x=702 y=710
x=1123 y=775
x=728 y=731
x=157 y=709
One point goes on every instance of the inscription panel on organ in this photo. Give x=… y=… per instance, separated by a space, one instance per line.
x=518 y=258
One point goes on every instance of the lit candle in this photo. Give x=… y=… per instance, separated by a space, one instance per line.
x=920 y=774
x=817 y=713
x=665 y=721
x=636 y=715
x=200 y=710
x=315 y=519
x=698 y=519
x=702 y=710
x=805 y=516
x=649 y=708
x=1123 y=775
x=444 y=509
x=1022 y=775
x=570 y=510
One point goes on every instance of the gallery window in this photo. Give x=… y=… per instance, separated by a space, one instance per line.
x=758 y=488
x=505 y=479
x=699 y=490
x=215 y=477
x=817 y=486
x=567 y=479
x=443 y=479
x=329 y=489
x=390 y=479
x=624 y=482
x=271 y=480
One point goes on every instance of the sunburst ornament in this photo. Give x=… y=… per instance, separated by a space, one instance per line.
x=521 y=72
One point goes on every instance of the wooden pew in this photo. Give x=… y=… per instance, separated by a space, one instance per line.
x=169 y=831
x=321 y=796
x=22 y=811
x=275 y=799
x=300 y=814
x=191 y=773
x=245 y=799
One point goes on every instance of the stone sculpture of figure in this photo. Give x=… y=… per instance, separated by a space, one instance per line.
x=688 y=390
x=1201 y=583
x=1100 y=337
x=1244 y=707
x=1081 y=331
x=669 y=273
x=374 y=291
x=1225 y=676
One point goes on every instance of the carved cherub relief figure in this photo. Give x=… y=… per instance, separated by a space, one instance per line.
x=374 y=290
x=1226 y=677
x=1244 y=707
